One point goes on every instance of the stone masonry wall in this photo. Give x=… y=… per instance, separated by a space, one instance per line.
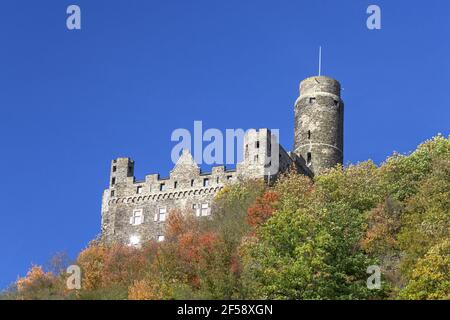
x=187 y=188
x=135 y=211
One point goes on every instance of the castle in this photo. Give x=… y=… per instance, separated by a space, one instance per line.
x=135 y=211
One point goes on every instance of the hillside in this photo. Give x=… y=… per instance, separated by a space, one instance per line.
x=297 y=239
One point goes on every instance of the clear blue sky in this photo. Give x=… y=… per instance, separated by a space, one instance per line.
x=73 y=100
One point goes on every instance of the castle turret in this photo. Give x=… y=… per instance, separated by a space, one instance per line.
x=122 y=169
x=319 y=129
x=256 y=153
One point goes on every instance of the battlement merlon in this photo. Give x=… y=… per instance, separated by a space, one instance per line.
x=185 y=175
x=258 y=153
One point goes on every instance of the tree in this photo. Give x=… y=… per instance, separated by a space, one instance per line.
x=430 y=277
x=38 y=285
x=309 y=248
x=108 y=270
x=262 y=209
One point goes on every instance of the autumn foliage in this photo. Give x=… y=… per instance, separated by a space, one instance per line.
x=298 y=239
x=36 y=277
x=262 y=209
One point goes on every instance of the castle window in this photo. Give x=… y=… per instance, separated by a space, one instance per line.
x=160 y=238
x=134 y=241
x=175 y=184
x=113 y=181
x=197 y=209
x=217 y=180
x=137 y=218
x=114 y=169
x=308 y=158
x=312 y=100
x=257 y=144
x=205 y=182
x=162 y=187
x=336 y=103
x=139 y=190
x=309 y=134
x=192 y=183
x=160 y=215
x=229 y=177
x=112 y=193
x=205 y=209
x=256 y=158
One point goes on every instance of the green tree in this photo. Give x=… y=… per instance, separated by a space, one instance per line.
x=309 y=249
x=430 y=277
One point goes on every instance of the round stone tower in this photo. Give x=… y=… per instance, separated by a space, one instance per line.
x=319 y=123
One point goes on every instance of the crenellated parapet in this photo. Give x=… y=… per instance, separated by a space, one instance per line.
x=134 y=210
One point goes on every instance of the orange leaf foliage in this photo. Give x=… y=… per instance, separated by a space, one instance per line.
x=103 y=266
x=262 y=209
x=34 y=278
x=144 y=290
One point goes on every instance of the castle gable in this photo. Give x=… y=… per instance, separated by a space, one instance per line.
x=185 y=166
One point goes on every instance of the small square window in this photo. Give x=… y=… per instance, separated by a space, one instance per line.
x=229 y=177
x=161 y=214
x=134 y=241
x=139 y=190
x=160 y=238
x=114 y=168
x=192 y=183
x=205 y=182
x=197 y=210
x=312 y=100
x=137 y=218
x=162 y=187
x=175 y=184
x=113 y=181
x=205 y=209
x=113 y=193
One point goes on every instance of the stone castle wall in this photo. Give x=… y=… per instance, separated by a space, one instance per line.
x=186 y=188
x=135 y=211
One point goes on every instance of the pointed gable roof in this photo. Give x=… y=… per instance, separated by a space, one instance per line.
x=185 y=165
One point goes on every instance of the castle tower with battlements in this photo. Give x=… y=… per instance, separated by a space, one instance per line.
x=134 y=211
